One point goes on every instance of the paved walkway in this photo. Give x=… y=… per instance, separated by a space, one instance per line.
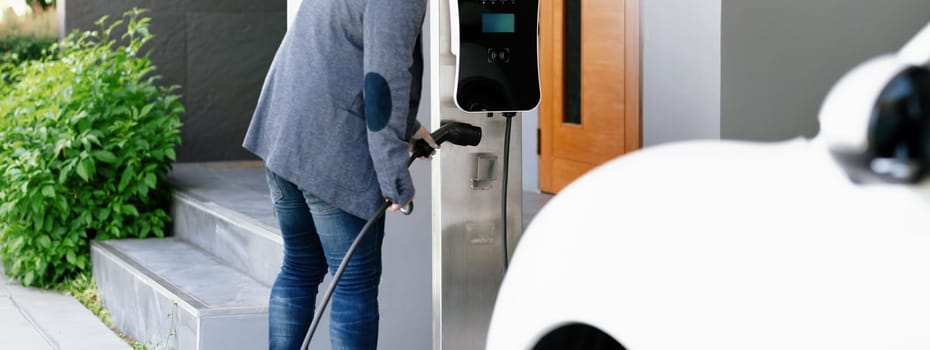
x=32 y=319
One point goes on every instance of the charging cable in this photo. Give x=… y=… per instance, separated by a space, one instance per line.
x=509 y=117
x=342 y=267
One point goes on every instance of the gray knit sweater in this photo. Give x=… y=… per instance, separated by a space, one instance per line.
x=339 y=102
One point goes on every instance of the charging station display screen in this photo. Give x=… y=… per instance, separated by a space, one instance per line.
x=498 y=58
x=497 y=23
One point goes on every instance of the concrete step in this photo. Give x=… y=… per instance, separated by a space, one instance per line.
x=224 y=209
x=171 y=294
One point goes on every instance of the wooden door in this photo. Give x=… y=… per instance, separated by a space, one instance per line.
x=589 y=70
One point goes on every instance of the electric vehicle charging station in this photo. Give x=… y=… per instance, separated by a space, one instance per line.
x=483 y=64
x=483 y=59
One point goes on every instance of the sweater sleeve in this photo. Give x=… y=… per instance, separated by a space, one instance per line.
x=390 y=36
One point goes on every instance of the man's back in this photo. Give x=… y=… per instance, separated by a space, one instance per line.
x=310 y=122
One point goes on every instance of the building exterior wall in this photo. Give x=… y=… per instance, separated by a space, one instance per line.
x=780 y=58
x=218 y=51
x=680 y=70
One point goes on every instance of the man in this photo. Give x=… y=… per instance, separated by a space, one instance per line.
x=333 y=125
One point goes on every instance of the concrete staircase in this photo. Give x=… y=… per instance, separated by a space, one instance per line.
x=206 y=287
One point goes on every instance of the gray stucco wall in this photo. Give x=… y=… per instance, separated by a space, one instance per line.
x=780 y=58
x=218 y=51
x=681 y=70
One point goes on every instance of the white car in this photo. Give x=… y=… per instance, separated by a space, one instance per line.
x=737 y=246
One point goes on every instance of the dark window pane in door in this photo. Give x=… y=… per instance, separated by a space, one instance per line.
x=572 y=63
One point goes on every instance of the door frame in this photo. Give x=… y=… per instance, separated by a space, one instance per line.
x=632 y=125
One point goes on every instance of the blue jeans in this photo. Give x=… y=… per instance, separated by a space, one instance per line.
x=316 y=236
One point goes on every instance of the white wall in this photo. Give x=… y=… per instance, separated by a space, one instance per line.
x=530 y=122
x=681 y=70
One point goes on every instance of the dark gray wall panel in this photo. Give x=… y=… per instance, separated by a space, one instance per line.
x=168 y=50
x=780 y=58
x=81 y=14
x=172 y=6
x=217 y=51
x=239 y=6
x=228 y=55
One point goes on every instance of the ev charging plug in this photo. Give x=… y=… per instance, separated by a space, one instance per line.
x=455 y=132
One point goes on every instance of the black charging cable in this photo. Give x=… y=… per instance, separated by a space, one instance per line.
x=504 y=178
x=338 y=275
x=457 y=133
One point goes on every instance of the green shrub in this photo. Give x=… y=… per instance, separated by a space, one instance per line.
x=14 y=50
x=88 y=140
x=17 y=48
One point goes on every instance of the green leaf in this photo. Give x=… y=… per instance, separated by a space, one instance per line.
x=103 y=214
x=130 y=209
x=105 y=156
x=121 y=110
x=37 y=218
x=70 y=257
x=44 y=241
x=85 y=217
x=62 y=204
x=48 y=191
x=92 y=138
x=83 y=169
x=83 y=124
x=6 y=208
x=59 y=146
x=170 y=153
x=150 y=180
x=125 y=178
x=102 y=21
x=49 y=224
x=146 y=228
x=63 y=176
x=145 y=110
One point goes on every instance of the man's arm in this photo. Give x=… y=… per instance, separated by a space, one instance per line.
x=390 y=35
